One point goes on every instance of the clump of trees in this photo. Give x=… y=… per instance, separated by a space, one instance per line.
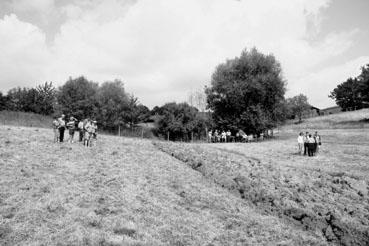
x=40 y=100
x=354 y=92
x=296 y=106
x=108 y=103
x=180 y=121
x=247 y=92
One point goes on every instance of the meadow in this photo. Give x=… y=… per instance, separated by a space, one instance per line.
x=129 y=191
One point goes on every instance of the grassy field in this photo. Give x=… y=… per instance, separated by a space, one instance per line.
x=127 y=191
x=13 y=118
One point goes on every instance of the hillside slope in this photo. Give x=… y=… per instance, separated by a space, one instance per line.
x=343 y=120
x=15 y=118
x=122 y=192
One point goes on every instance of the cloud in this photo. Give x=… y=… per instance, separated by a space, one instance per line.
x=162 y=49
x=325 y=80
x=24 y=54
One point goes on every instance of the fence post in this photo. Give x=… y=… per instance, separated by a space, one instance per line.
x=167 y=136
x=119 y=130
x=142 y=132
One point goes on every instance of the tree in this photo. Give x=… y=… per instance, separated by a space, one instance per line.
x=348 y=95
x=298 y=105
x=46 y=98
x=180 y=122
x=354 y=92
x=247 y=92
x=3 y=101
x=113 y=104
x=78 y=97
x=363 y=80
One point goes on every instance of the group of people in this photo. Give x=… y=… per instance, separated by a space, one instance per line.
x=219 y=136
x=227 y=137
x=309 y=144
x=87 y=129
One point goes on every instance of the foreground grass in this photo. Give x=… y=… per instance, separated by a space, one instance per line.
x=121 y=192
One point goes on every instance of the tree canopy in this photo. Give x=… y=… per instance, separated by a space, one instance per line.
x=297 y=105
x=180 y=121
x=354 y=92
x=247 y=92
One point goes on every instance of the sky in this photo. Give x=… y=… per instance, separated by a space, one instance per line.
x=164 y=49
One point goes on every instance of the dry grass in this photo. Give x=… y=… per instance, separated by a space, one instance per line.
x=128 y=191
x=343 y=120
x=120 y=192
x=13 y=118
x=326 y=195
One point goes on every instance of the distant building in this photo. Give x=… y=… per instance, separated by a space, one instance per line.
x=311 y=112
x=331 y=110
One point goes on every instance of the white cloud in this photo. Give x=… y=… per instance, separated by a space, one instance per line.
x=164 y=48
x=23 y=53
x=325 y=80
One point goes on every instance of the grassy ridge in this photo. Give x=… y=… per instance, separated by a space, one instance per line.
x=344 y=120
x=12 y=118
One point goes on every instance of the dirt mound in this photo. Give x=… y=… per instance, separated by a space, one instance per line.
x=334 y=207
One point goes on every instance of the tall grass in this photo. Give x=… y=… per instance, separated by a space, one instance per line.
x=24 y=119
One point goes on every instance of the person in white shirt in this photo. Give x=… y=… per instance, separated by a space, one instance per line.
x=300 y=142
x=224 y=136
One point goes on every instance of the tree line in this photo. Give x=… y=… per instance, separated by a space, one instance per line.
x=108 y=103
x=247 y=93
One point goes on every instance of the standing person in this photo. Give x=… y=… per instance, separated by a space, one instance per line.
x=61 y=127
x=224 y=136
x=306 y=141
x=318 y=141
x=55 y=129
x=229 y=136
x=209 y=136
x=216 y=136
x=71 y=126
x=88 y=129
x=94 y=130
x=80 y=130
x=300 y=142
x=311 y=145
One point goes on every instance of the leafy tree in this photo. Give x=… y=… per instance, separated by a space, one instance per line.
x=180 y=121
x=3 y=101
x=78 y=97
x=363 y=80
x=354 y=92
x=46 y=98
x=298 y=105
x=113 y=103
x=247 y=92
x=348 y=95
